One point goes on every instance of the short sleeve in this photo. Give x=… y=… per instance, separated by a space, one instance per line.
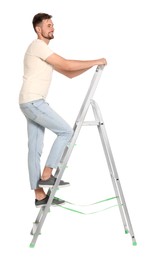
x=40 y=49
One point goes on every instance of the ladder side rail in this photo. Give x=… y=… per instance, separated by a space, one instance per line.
x=119 y=185
x=85 y=105
x=90 y=92
x=116 y=189
x=84 y=108
x=37 y=220
x=98 y=117
x=38 y=228
x=103 y=135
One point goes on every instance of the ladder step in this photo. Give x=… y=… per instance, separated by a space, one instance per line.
x=90 y=123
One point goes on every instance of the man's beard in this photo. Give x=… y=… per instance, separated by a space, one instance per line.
x=48 y=37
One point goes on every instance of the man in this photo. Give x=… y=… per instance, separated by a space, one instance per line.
x=39 y=63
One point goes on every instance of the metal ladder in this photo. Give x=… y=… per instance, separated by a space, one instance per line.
x=37 y=225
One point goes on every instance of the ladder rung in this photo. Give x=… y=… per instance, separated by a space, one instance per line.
x=90 y=123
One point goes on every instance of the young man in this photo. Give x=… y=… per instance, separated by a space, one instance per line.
x=39 y=63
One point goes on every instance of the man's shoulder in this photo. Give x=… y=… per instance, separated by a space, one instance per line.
x=36 y=45
x=38 y=48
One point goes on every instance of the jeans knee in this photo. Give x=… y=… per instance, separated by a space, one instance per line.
x=66 y=134
x=69 y=134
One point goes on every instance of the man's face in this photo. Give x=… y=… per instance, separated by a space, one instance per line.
x=47 y=29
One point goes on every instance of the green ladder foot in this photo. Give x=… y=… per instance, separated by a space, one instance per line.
x=126 y=231
x=134 y=243
x=32 y=245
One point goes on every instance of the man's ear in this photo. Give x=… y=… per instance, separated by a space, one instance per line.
x=38 y=29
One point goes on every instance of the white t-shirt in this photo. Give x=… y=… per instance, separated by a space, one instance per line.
x=37 y=72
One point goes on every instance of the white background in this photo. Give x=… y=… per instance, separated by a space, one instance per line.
x=123 y=32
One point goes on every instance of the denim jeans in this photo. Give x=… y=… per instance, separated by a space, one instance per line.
x=39 y=116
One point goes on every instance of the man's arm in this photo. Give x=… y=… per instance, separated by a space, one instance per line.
x=71 y=74
x=75 y=66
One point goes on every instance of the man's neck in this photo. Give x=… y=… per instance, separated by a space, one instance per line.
x=44 y=40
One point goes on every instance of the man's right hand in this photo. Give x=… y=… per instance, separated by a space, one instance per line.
x=103 y=62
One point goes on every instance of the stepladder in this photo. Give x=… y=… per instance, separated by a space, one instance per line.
x=79 y=122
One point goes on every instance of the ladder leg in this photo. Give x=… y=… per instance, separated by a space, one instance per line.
x=40 y=220
x=113 y=172
x=35 y=224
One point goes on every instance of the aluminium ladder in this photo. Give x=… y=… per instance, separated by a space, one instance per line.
x=37 y=225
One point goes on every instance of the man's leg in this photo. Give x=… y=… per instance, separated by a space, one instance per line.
x=41 y=116
x=39 y=194
x=47 y=172
x=51 y=120
x=35 y=145
x=48 y=118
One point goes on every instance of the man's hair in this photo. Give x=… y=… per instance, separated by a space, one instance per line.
x=38 y=18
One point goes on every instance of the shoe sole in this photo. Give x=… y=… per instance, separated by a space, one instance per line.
x=54 y=205
x=51 y=186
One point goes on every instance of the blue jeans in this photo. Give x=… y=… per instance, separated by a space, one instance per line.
x=40 y=116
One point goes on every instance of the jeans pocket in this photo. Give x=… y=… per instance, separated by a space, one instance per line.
x=33 y=109
x=28 y=112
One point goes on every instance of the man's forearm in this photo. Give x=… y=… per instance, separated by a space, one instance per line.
x=71 y=74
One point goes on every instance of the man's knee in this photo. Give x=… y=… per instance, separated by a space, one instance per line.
x=69 y=133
